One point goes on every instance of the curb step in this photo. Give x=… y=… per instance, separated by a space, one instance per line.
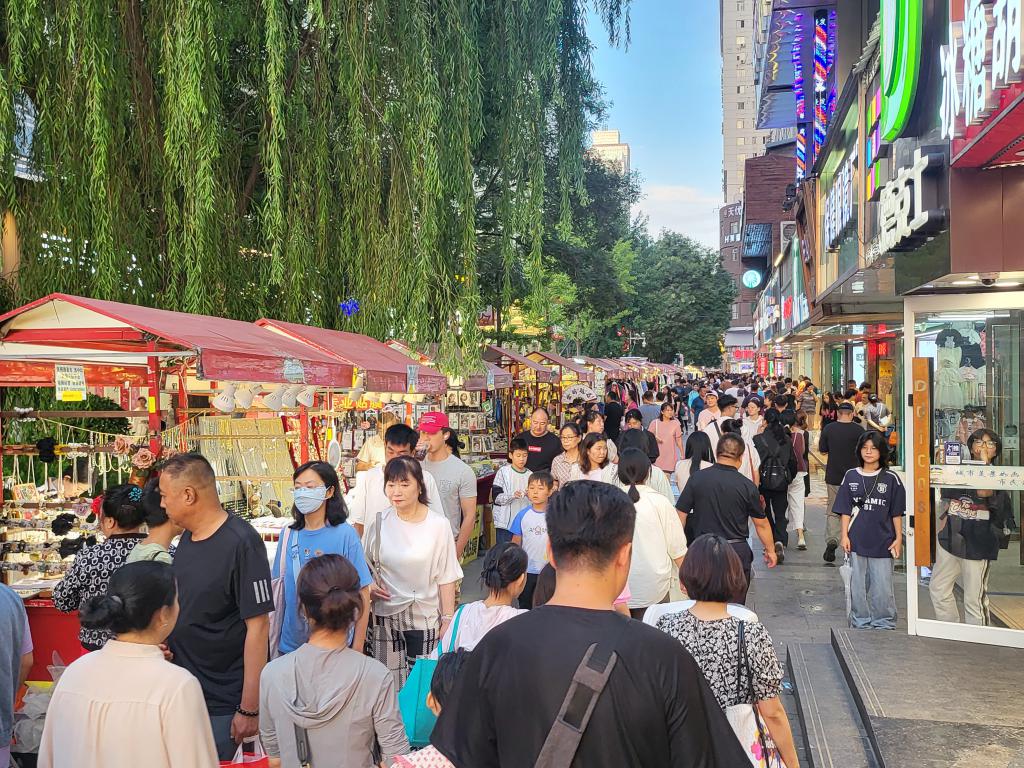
x=832 y=725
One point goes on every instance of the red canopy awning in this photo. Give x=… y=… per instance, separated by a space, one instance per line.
x=61 y=327
x=565 y=364
x=385 y=369
x=497 y=377
x=611 y=370
x=507 y=357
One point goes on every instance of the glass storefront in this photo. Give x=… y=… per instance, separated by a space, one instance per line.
x=966 y=579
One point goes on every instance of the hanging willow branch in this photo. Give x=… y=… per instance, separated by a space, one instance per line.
x=265 y=158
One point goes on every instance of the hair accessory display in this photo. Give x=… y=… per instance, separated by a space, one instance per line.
x=135 y=494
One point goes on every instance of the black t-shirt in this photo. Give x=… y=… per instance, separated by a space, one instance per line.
x=656 y=711
x=542 y=450
x=839 y=441
x=613 y=419
x=222 y=581
x=720 y=500
x=639 y=438
x=972 y=526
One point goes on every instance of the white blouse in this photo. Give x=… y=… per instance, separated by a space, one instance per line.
x=125 y=706
x=415 y=558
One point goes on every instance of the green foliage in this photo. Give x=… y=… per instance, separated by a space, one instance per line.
x=273 y=159
x=683 y=300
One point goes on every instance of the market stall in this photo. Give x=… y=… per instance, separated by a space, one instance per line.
x=85 y=348
x=568 y=373
x=532 y=386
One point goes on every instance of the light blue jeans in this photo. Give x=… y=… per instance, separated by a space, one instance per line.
x=873 y=602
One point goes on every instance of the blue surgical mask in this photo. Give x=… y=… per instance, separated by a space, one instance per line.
x=309 y=499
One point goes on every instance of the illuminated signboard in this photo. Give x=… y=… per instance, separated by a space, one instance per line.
x=839 y=202
x=801 y=152
x=908 y=205
x=900 y=64
x=983 y=56
x=820 y=76
x=751 y=279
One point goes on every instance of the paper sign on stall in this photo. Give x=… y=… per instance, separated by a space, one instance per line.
x=70 y=383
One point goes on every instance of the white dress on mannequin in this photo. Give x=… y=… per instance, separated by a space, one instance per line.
x=949 y=393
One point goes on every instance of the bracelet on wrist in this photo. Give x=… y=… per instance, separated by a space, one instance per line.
x=246 y=713
x=446 y=617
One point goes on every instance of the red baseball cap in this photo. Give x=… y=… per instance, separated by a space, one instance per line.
x=433 y=422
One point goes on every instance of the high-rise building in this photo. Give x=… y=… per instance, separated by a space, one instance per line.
x=740 y=138
x=608 y=147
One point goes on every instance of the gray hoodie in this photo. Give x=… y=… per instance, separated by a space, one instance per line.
x=341 y=698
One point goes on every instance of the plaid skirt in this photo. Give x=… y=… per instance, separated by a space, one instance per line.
x=397 y=644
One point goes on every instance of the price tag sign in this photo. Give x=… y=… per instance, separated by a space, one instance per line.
x=490 y=380
x=952 y=450
x=69 y=381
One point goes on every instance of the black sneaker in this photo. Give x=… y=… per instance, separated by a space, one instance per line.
x=780 y=553
x=830 y=551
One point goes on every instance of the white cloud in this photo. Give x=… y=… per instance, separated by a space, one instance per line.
x=686 y=210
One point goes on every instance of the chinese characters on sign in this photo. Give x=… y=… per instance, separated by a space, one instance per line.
x=908 y=205
x=69 y=381
x=979 y=476
x=983 y=56
x=839 y=202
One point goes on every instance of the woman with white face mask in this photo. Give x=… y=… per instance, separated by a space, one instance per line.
x=319 y=529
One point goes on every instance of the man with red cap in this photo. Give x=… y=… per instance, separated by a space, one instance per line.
x=455 y=480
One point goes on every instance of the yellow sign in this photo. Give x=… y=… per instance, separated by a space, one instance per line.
x=69 y=381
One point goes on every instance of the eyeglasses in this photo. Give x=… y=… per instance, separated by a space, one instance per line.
x=987 y=444
x=570 y=437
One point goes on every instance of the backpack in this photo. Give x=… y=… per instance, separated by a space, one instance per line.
x=774 y=473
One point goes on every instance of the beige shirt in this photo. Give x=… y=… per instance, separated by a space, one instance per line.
x=123 y=707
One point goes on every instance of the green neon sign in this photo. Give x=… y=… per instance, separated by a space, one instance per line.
x=901 y=63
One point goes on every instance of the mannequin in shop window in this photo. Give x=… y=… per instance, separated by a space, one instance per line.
x=973 y=526
x=970 y=422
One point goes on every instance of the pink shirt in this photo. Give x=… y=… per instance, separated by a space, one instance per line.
x=666 y=433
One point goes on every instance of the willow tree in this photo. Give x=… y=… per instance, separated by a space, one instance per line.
x=281 y=158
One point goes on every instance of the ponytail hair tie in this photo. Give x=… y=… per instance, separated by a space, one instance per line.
x=335 y=588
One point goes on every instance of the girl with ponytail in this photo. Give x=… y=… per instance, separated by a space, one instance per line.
x=504 y=577
x=658 y=541
x=158 y=708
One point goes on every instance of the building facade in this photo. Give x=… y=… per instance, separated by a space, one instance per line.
x=608 y=146
x=740 y=138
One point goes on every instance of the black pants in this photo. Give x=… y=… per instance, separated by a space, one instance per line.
x=747 y=559
x=807 y=483
x=526 y=598
x=776 y=505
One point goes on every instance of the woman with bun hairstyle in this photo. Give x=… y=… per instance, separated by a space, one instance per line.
x=658 y=541
x=125 y=705
x=335 y=700
x=504 y=577
x=121 y=516
x=162 y=531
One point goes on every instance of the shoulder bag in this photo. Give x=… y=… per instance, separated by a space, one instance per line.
x=744 y=718
x=588 y=683
x=277 y=586
x=412 y=699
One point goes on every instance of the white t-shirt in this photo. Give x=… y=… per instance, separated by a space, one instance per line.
x=533 y=527
x=475 y=621
x=751 y=458
x=456 y=481
x=414 y=559
x=682 y=473
x=657 y=540
x=368 y=497
x=655 y=612
x=656 y=479
x=605 y=474
x=506 y=505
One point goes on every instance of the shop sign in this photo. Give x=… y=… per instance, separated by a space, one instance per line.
x=921 y=453
x=412 y=377
x=762 y=365
x=907 y=204
x=839 y=202
x=751 y=279
x=69 y=381
x=983 y=57
x=293 y=371
x=900 y=63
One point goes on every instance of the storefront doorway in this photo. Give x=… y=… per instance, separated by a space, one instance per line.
x=965 y=561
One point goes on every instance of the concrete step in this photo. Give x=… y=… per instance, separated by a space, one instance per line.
x=832 y=726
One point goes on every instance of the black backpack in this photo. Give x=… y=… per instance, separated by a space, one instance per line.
x=774 y=472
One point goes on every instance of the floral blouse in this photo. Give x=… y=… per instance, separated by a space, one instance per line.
x=561 y=469
x=714 y=646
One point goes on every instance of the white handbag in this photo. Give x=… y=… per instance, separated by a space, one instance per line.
x=746 y=722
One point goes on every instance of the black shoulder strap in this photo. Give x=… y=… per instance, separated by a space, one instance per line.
x=588 y=682
x=302 y=747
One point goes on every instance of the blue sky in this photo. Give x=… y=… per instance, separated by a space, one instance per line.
x=665 y=97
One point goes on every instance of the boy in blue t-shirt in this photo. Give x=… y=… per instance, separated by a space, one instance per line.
x=872 y=502
x=530 y=531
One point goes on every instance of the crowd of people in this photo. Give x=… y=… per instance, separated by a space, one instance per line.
x=622 y=537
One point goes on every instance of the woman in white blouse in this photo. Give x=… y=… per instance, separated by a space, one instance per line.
x=124 y=705
x=594 y=463
x=412 y=553
x=658 y=541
